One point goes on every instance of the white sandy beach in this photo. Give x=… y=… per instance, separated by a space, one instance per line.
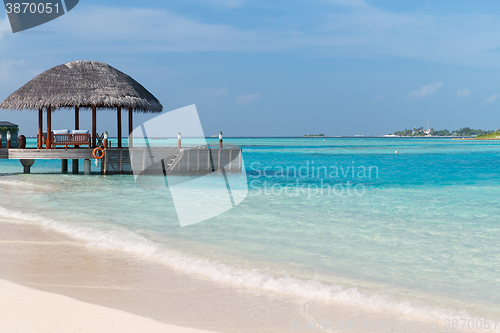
x=25 y=310
x=65 y=286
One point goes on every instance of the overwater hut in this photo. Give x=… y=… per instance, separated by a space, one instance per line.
x=8 y=128
x=79 y=85
x=98 y=86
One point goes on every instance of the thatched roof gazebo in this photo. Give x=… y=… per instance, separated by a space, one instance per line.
x=82 y=84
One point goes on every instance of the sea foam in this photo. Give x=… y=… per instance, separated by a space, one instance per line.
x=131 y=242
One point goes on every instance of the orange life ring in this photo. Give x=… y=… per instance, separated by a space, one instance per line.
x=94 y=153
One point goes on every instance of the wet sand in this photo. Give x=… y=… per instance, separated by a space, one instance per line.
x=52 y=262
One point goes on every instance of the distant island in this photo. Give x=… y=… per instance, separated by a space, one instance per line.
x=493 y=135
x=466 y=131
x=314 y=135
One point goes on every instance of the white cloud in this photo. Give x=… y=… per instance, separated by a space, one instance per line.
x=359 y=29
x=4 y=27
x=350 y=3
x=216 y=92
x=14 y=74
x=367 y=31
x=228 y=3
x=379 y=98
x=463 y=93
x=492 y=98
x=425 y=90
x=245 y=99
x=156 y=30
x=10 y=70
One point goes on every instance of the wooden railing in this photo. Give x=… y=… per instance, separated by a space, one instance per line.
x=68 y=140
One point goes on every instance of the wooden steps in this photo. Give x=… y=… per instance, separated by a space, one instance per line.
x=164 y=161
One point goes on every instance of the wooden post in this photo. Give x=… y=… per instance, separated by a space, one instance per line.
x=240 y=160
x=40 y=129
x=74 y=162
x=179 y=140
x=74 y=165
x=105 y=141
x=143 y=159
x=130 y=128
x=104 y=165
x=121 y=162
x=94 y=126
x=9 y=136
x=77 y=122
x=119 y=123
x=49 y=128
x=77 y=117
x=220 y=139
x=86 y=167
x=27 y=165
x=64 y=165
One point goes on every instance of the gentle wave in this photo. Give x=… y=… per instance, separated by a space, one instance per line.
x=21 y=185
x=133 y=243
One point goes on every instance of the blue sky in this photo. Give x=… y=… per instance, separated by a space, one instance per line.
x=280 y=68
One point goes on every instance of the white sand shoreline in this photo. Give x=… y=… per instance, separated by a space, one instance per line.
x=25 y=310
x=113 y=291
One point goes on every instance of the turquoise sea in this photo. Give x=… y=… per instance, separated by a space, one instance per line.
x=342 y=219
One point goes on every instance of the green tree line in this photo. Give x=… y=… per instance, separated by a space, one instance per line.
x=466 y=131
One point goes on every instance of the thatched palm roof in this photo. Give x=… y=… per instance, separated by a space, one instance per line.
x=83 y=84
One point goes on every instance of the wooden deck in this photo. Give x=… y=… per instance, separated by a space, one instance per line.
x=158 y=161
x=146 y=161
x=203 y=160
x=49 y=154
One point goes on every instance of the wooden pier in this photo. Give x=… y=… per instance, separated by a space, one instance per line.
x=49 y=154
x=147 y=161
x=156 y=161
x=97 y=86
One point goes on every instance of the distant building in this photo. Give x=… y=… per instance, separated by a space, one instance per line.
x=428 y=131
x=5 y=127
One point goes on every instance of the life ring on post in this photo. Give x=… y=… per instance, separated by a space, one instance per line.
x=95 y=154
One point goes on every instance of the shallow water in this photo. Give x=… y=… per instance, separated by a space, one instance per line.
x=342 y=219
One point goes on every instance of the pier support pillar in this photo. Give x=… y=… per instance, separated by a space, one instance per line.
x=86 y=167
x=74 y=164
x=64 y=166
x=130 y=127
x=27 y=165
x=40 y=129
x=94 y=126
x=48 y=144
x=77 y=127
x=119 y=123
